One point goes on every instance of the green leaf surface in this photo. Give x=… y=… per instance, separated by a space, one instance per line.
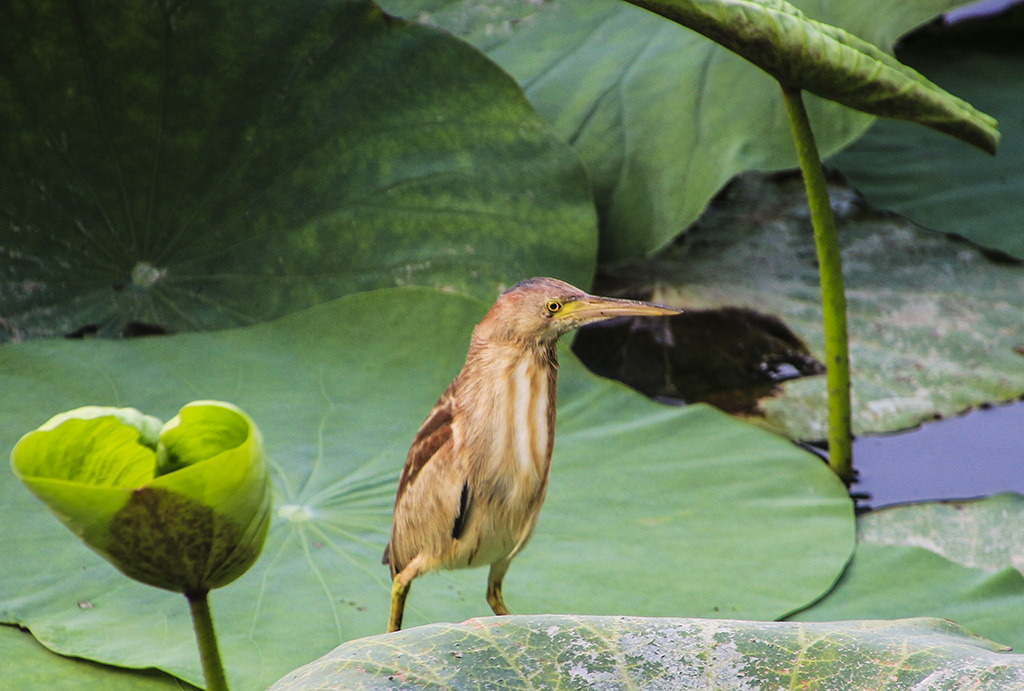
x=933 y=180
x=934 y=323
x=825 y=60
x=650 y=509
x=986 y=534
x=920 y=543
x=204 y=431
x=183 y=167
x=555 y=652
x=29 y=666
x=991 y=605
x=95 y=450
x=662 y=117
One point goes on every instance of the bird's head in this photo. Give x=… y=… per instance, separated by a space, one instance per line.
x=539 y=310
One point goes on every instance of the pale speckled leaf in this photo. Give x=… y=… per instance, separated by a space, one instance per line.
x=556 y=652
x=191 y=166
x=985 y=534
x=935 y=325
x=662 y=117
x=338 y=392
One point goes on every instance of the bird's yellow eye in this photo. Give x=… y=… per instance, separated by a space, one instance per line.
x=554 y=306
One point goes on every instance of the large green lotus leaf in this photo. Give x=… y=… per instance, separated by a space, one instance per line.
x=557 y=652
x=986 y=534
x=662 y=117
x=651 y=509
x=935 y=181
x=934 y=323
x=28 y=666
x=214 y=164
x=888 y=582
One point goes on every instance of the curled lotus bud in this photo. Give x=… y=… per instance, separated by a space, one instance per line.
x=183 y=506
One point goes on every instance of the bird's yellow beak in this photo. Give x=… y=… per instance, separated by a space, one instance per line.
x=593 y=308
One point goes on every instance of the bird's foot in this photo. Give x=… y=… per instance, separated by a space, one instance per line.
x=496 y=602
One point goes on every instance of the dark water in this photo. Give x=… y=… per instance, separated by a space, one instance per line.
x=977 y=454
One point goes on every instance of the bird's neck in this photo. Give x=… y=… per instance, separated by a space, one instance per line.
x=512 y=403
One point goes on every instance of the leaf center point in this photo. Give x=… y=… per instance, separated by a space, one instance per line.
x=296 y=513
x=145 y=275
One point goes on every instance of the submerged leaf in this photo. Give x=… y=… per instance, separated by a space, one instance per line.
x=985 y=534
x=934 y=322
x=939 y=572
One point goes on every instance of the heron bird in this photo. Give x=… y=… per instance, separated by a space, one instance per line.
x=477 y=472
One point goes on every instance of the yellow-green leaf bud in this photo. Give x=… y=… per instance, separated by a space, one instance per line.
x=184 y=506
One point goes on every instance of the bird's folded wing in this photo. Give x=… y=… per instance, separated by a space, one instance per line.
x=433 y=434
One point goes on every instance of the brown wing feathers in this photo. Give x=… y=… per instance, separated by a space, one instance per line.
x=434 y=433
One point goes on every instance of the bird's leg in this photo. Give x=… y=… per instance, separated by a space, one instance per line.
x=400 y=590
x=494 y=579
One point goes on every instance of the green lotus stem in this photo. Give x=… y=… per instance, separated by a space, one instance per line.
x=209 y=654
x=833 y=294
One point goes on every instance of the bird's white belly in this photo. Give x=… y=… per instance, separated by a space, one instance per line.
x=504 y=510
x=497 y=533
x=510 y=475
